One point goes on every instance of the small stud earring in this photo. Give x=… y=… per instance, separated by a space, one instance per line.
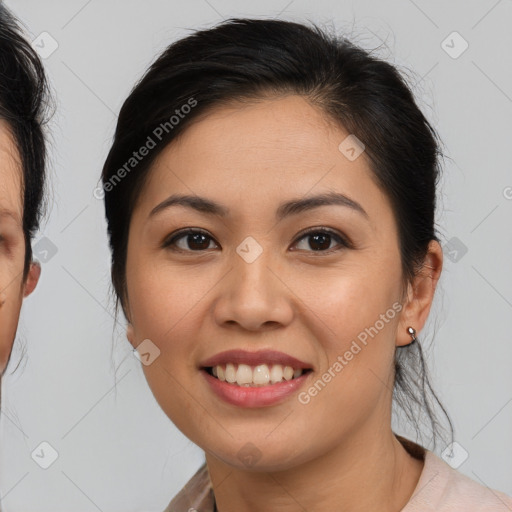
x=412 y=332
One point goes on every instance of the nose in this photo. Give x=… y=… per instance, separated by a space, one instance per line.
x=254 y=295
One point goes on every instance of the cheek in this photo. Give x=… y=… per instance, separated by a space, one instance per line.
x=354 y=318
x=160 y=298
x=344 y=304
x=11 y=298
x=9 y=315
x=165 y=308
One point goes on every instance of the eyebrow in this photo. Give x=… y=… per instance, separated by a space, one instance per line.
x=286 y=209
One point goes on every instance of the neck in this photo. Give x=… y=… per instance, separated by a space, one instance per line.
x=367 y=472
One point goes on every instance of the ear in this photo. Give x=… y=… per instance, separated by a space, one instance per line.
x=130 y=334
x=130 y=331
x=420 y=294
x=34 y=274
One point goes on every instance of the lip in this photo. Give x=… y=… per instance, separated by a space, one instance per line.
x=255 y=359
x=262 y=396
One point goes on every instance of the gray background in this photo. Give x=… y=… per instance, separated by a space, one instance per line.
x=78 y=386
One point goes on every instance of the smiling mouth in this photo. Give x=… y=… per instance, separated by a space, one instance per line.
x=254 y=376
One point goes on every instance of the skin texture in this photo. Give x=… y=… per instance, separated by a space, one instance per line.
x=13 y=288
x=338 y=452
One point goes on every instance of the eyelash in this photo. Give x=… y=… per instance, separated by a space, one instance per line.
x=343 y=241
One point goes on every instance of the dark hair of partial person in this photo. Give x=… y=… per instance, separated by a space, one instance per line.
x=252 y=59
x=24 y=102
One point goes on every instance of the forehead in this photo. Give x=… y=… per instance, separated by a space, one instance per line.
x=269 y=128
x=10 y=175
x=271 y=142
x=258 y=153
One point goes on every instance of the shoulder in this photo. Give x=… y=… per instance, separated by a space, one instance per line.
x=197 y=495
x=444 y=489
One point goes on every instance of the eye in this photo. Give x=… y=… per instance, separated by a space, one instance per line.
x=320 y=240
x=195 y=239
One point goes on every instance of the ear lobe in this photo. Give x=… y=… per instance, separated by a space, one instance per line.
x=34 y=274
x=420 y=294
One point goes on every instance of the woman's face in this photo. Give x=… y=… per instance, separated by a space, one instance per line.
x=255 y=282
x=12 y=245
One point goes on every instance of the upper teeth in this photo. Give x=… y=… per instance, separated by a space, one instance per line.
x=261 y=375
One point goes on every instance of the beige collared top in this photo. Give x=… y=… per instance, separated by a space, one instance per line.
x=440 y=489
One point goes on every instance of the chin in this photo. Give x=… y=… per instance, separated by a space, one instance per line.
x=254 y=453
